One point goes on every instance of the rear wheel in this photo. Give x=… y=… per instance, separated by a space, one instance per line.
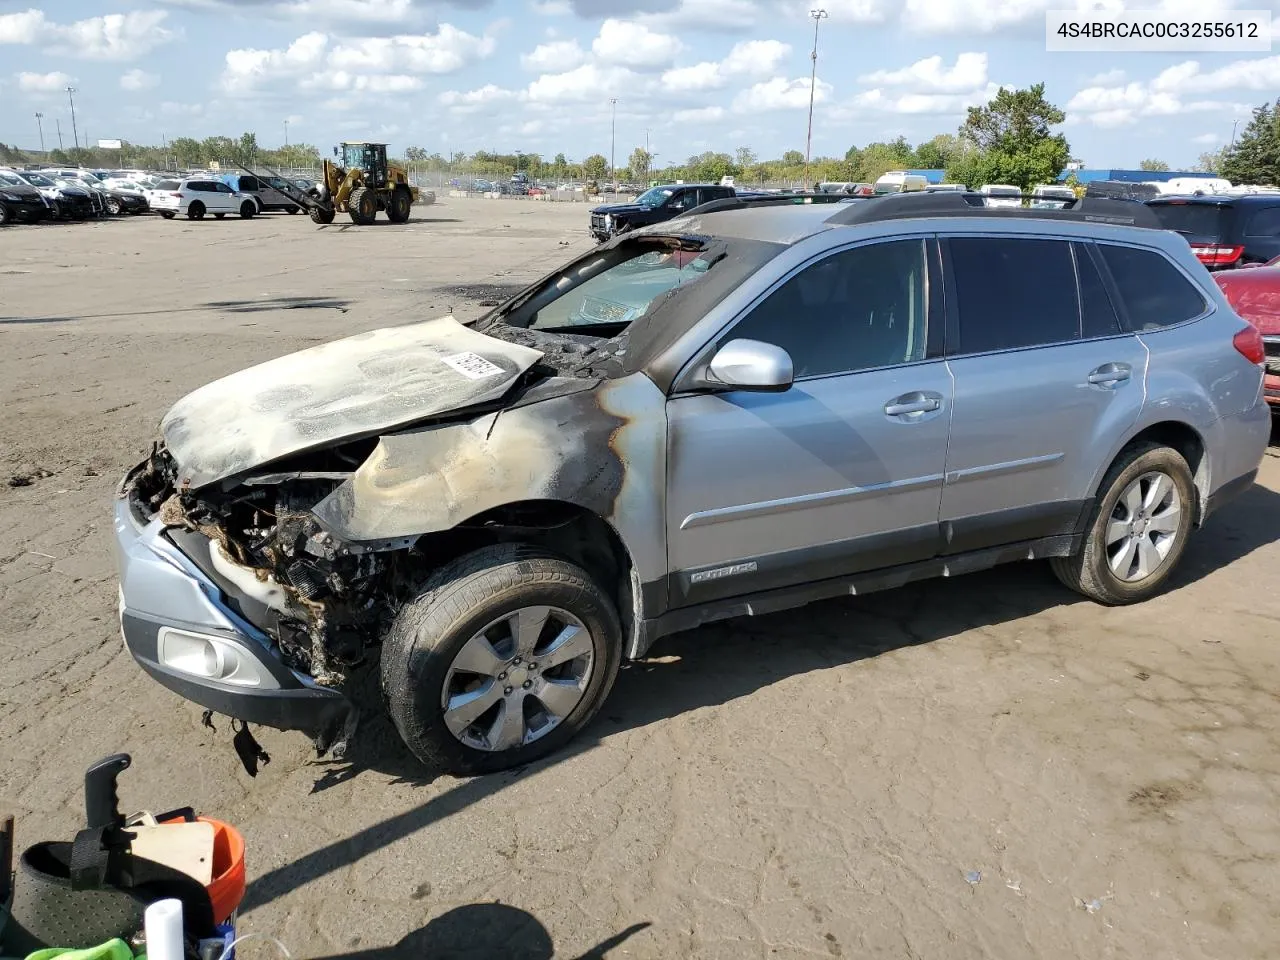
x=363 y=206
x=1139 y=528
x=401 y=205
x=248 y=209
x=505 y=654
x=195 y=211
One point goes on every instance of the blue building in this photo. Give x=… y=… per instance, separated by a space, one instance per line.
x=1136 y=176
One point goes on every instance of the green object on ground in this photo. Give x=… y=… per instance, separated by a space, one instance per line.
x=111 y=950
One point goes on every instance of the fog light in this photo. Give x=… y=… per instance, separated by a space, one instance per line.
x=211 y=658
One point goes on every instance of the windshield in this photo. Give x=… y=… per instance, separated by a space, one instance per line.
x=654 y=197
x=38 y=181
x=1003 y=192
x=1201 y=222
x=166 y=185
x=619 y=293
x=10 y=179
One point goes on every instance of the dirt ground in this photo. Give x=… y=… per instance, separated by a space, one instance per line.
x=981 y=767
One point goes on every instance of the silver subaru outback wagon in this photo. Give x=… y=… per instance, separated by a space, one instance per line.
x=738 y=411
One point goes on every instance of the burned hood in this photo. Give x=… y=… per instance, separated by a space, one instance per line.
x=350 y=388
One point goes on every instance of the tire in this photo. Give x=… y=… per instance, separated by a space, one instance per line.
x=195 y=211
x=293 y=210
x=363 y=206
x=1092 y=571
x=321 y=216
x=248 y=209
x=473 y=594
x=218 y=216
x=401 y=205
x=6 y=216
x=113 y=207
x=168 y=215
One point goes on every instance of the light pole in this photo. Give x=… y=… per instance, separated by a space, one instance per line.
x=613 y=138
x=1234 y=124
x=72 y=99
x=286 y=135
x=818 y=16
x=58 y=121
x=40 y=127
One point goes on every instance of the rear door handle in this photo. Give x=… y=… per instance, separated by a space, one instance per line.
x=911 y=404
x=1110 y=374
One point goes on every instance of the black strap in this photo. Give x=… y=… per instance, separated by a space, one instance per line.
x=89 y=859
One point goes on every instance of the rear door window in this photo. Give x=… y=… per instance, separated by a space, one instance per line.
x=1012 y=293
x=1098 y=316
x=1198 y=222
x=1154 y=292
x=1264 y=223
x=249 y=183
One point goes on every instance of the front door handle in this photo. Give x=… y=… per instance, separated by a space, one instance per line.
x=1110 y=374
x=911 y=403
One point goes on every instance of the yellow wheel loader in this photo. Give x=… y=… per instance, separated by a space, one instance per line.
x=362 y=185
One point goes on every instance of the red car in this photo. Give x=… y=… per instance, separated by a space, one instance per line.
x=1255 y=295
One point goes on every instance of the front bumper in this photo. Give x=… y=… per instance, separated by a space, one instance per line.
x=178 y=626
x=28 y=210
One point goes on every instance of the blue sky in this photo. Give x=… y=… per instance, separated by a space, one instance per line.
x=537 y=75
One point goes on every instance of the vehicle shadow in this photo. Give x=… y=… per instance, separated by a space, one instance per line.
x=483 y=931
x=722 y=662
x=231 y=306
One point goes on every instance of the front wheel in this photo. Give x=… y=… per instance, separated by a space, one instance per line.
x=322 y=215
x=502 y=658
x=401 y=205
x=1138 y=530
x=113 y=207
x=5 y=216
x=247 y=210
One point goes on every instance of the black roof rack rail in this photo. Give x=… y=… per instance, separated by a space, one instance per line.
x=900 y=206
x=767 y=200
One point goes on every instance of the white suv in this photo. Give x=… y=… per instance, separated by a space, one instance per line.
x=195 y=197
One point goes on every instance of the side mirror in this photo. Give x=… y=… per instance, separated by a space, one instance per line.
x=751 y=365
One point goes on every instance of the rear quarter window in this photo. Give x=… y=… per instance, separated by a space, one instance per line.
x=1154 y=292
x=1264 y=223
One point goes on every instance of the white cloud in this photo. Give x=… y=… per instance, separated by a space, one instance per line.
x=138 y=80
x=1206 y=139
x=556 y=56
x=1108 y=78
x=1262 y=73
x=342 y=80
x=699 y=115
x=42 y=82
x=1118 y=106
x=934 y=104
x=115 y=36
x=314 y=55
x=472 y=101
x=630 y=44
x=384 y=12
x=931 y=75
x=752 y=58
x=780 y=93
x=588 y=83
x=552 y=8
x=712 y=16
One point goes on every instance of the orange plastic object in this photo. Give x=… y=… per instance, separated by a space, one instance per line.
x=226 y=890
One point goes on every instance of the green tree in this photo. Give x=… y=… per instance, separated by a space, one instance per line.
x=415 y=154
x=1210 y=161
x=246 y=151
x=1157 y=165
x=877 y=159
x=595 y=167
x=59 y=156
x=1255 y=156
x=1014 y=141
x=935 y=154
x=641 y=161
x=187 y=151
x=710 y=167
x=793 y=158
x=744 y=157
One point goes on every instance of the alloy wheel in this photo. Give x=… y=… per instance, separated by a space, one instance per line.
x=1143 y=528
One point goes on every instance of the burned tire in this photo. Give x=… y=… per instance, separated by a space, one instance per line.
x=248 y=209
x=1138 y=529
x=195 y=211
x=505 y=654
x=321 y=216
x=401 y=205
x=363 y=206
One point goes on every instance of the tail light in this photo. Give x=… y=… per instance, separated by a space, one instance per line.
x=1215 y=256
x=1249 y=343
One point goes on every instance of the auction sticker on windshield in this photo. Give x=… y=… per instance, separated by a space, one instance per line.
x=472 y=366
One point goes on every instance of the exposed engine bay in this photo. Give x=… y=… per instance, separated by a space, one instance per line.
x=323 y=602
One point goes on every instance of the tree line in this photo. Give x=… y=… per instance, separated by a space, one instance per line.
x=1011 y=139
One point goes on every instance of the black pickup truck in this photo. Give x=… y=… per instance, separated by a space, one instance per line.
x=654 y=206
